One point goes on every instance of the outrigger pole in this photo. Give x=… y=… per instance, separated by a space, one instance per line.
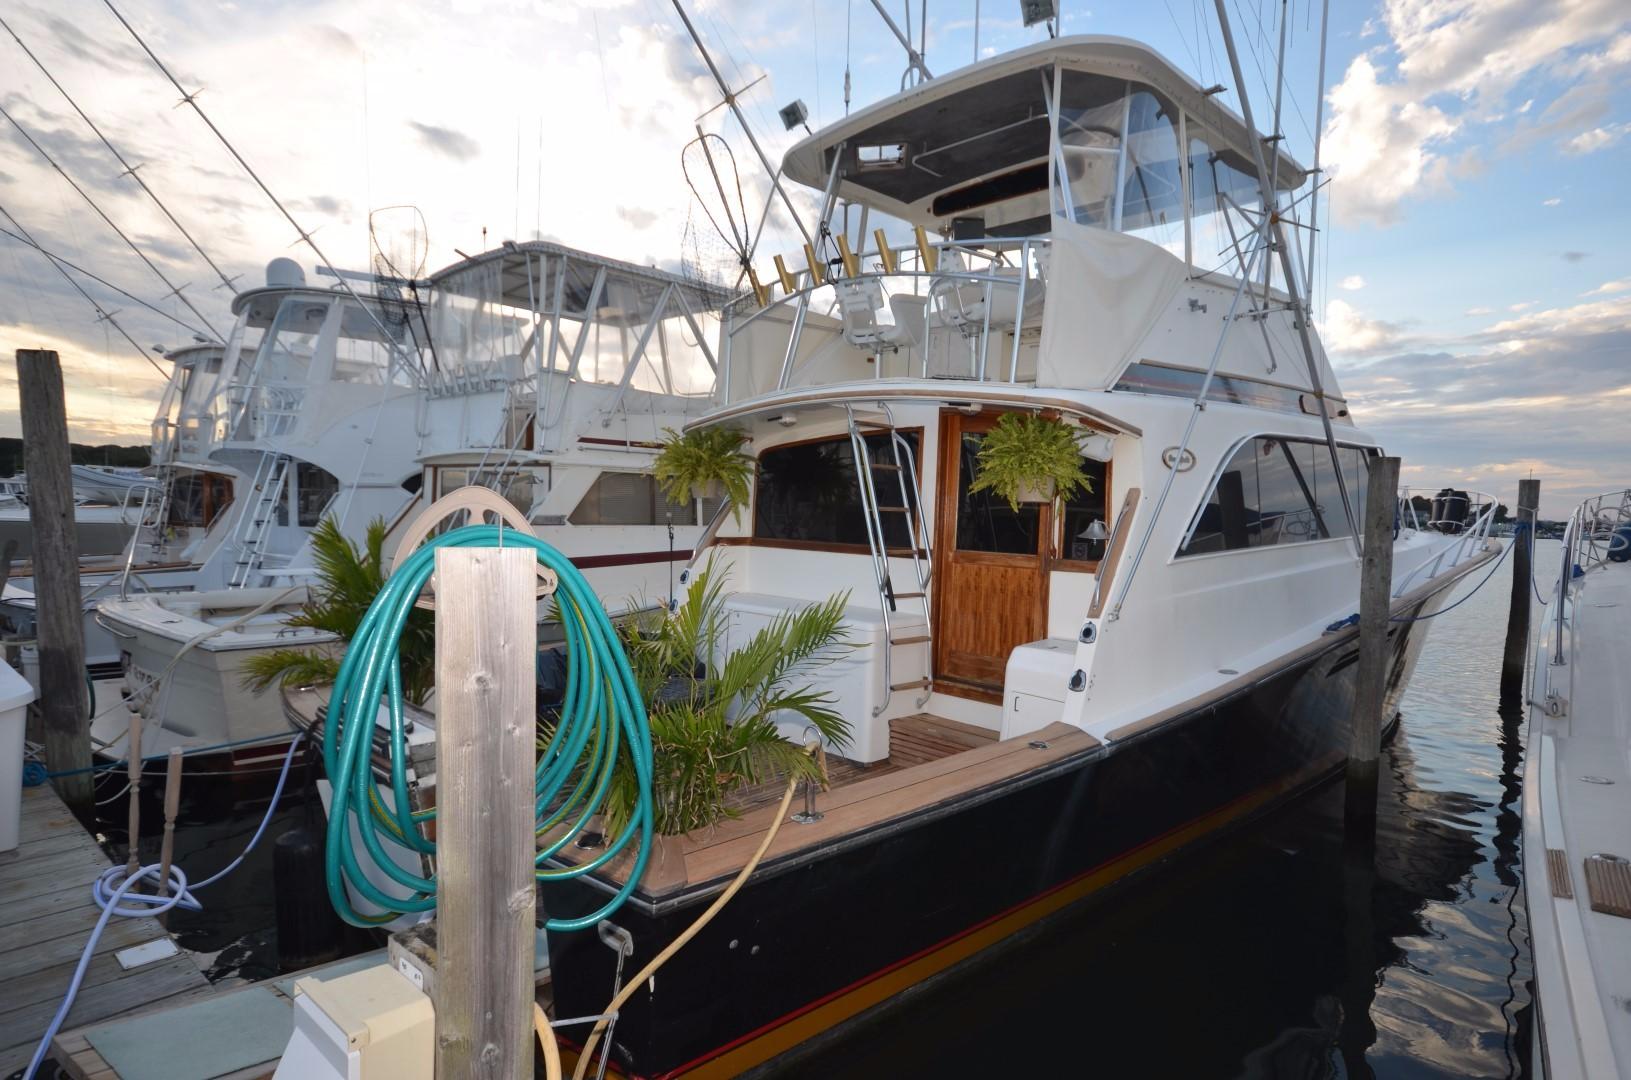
x=736 y=110
x=1301 y=314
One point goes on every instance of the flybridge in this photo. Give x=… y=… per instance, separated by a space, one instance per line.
x=972 y=149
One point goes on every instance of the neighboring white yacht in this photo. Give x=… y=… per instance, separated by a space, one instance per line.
x=541 y=372
x=1044 y=699
x=166 y=520
x=1577 y=802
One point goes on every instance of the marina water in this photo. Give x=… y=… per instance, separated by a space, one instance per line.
x=1265 y=955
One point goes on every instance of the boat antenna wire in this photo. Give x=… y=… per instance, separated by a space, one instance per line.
x=602 y=731
x=192 y=100
x=175 y=290
x=130 y=170
x=1301 y=316
x=736 y=110
x=29 y=242
x=102 y=314
x=1319 y=130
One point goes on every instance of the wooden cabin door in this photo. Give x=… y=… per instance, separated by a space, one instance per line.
x=990 y=576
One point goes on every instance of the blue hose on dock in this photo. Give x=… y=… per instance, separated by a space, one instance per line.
x=602 y=717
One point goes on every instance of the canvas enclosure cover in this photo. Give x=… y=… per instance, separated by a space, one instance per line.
x=1105 y=292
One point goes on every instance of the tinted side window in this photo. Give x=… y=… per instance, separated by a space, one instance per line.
x=628 y=499
x=809 y=492
x=1278 y=491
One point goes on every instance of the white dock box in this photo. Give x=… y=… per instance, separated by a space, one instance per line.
x=855 y=680
x=15 y=696
x=1035 y=684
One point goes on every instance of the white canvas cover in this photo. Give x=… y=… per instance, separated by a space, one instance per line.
x=1105 y=293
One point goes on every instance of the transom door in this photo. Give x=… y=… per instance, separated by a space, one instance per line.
x=991 y=569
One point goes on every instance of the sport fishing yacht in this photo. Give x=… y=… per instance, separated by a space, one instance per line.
x=1043 y=701
x=1576 y=806
x=540 y=372
x=167 y=520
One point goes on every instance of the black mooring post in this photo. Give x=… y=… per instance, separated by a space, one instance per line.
x=1517 y=620
x=1375 y=596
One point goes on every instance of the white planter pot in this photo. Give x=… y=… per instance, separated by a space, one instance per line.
x=1040 y=492
x=713 y=490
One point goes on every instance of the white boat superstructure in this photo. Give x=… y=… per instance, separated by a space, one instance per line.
x=540 y=372
x=167 y=519
x=1577 y=801
x=1099 y=260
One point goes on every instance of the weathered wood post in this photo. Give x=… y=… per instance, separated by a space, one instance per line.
x=486 y=634
x=1375 y=596
x=60 y=635
x=1517 y=620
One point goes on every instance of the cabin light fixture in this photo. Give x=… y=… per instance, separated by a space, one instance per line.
x=967 y=408
x=786 y=419
x=1095 y=531
x=1215 y=88
x=1032 y=12
x=1097 y=446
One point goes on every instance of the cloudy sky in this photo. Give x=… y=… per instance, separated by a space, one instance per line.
x=1475 y=286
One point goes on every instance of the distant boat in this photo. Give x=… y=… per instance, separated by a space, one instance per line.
x=109 y=485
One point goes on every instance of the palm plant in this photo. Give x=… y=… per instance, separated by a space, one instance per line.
x=713 y=716
x=348 y=579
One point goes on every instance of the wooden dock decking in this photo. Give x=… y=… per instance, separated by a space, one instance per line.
x=46 y=915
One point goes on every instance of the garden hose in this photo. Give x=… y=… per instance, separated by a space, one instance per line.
x=602 y=720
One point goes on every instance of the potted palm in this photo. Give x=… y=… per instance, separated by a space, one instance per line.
x=705 y=463
x=713 y=714
x=1030 y=459
x=348 y=579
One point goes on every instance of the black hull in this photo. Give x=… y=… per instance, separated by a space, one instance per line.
x=810 y=943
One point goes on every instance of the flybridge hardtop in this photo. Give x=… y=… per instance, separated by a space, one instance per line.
x=978 y=137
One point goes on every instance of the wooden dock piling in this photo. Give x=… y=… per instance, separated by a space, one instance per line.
x=1375 y=596
x=486 y=633
x=1517 y=620
x=60 y=635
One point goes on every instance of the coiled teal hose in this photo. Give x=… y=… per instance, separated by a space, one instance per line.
x=602 y=716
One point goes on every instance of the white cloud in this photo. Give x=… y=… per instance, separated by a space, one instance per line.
x=1608 y=288
x=1598 y=138
x=1522 y=306
x=1349 y=331
x=1392 y=133
x=1353 y=283
x=1554 y=201
x=1480 y=311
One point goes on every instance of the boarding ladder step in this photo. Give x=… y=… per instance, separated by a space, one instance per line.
x=897 y=457
x=271 y=477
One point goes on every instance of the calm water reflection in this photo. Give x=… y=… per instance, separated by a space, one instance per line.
x=1272 y=954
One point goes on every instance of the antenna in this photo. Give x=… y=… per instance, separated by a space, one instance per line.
x=736 y=110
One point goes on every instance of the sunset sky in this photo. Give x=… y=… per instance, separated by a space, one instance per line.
x=1474 y=286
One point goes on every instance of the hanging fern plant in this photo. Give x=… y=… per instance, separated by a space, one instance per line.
x=1029 y=458
x=704 y=463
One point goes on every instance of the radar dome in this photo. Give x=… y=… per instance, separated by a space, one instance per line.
x=284 y=273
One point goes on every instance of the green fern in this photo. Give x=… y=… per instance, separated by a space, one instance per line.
x=690 y=461
x=348 y=579
x=1024 y=449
